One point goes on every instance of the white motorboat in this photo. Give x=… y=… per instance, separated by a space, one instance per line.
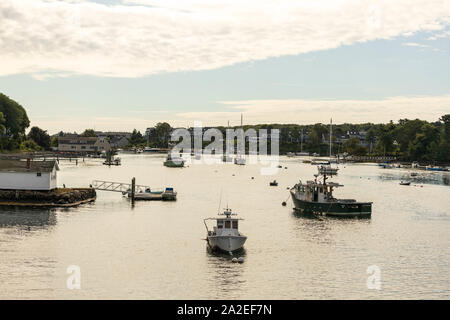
x=225 y=234
x=239 y=160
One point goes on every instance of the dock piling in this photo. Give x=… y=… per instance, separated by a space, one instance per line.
x=133 y=188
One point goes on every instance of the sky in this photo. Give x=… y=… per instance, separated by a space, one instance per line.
x=124 y=64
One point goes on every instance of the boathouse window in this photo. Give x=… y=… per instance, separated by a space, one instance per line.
x=38 y=174
x=235 y=224
x=227 y=224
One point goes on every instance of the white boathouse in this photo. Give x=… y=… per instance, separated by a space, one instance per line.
x=28 y=175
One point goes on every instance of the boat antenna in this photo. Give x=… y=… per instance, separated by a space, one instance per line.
x=220 y=201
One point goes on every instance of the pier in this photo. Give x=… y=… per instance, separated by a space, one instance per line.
x=135 y=191
x=117 y=186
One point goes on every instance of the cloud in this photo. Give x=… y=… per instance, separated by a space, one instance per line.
x=298 y=111
x=415 y=44
x=144 y=37
x=303 y=111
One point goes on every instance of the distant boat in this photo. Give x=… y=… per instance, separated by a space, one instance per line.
x=327 y=169
x=168 y=194
x=225 y=235
x=153 y=150
x=319 y=162
x=174 y=162
x=239 y=160
x=433 y=168
x=113 y=162
x=302 y=154
x=273 y=183
x=290 y=154
x=402 y=183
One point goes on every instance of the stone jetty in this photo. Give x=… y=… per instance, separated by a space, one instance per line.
x=59 y=197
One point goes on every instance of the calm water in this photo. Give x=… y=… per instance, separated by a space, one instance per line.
x=155 y=250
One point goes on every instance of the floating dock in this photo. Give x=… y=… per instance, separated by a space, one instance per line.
x=141 y=192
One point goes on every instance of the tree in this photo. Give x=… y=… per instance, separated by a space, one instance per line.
x=2 y=124
x=444 y=145
x=162 y=132
x=88 y=133
x=371 y=138
x=40 y=136
x=424 y=145
x=29 y=145
x=385 y=138
x=15 y=119
x=136 y=138
x=352 y=146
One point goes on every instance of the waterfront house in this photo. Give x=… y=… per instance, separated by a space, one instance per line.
x=28 y=175
x=76 y=143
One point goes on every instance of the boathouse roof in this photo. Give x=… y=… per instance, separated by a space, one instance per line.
x=21 y=166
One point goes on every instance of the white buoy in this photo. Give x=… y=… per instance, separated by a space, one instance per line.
x=240 y=260
x=234 y=260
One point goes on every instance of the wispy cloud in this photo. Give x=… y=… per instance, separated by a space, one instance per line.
x=312 y=111
x=142 y=37
x=300 y=111
x=415 y=44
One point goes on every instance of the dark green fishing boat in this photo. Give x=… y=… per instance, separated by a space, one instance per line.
x=317 y=198
x=174 y=162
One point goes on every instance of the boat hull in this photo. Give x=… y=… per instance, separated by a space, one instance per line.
x=173 y=164
x=226 y=243
x=336 y=209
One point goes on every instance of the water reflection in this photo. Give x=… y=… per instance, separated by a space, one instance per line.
x=439 y=178
x=226 y=276
x=26 y=217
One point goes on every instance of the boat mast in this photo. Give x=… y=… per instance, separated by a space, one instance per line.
x=331 y=133
x=301 y=142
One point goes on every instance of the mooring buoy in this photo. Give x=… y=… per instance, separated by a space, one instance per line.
x=283 y=203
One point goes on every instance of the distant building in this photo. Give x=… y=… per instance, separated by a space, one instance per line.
x=115 y=139
x=28 y=175
x=76 y=143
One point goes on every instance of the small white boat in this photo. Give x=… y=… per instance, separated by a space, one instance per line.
x=169 y=194
x=239 y=160
x=327 y=169
x=319 y=162
x=225 y=235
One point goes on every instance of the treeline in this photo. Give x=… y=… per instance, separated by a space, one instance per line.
x=411 y=140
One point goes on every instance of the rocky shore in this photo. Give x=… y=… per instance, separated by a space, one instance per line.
x=60 y=197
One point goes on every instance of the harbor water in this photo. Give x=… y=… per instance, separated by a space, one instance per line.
x=156 y=250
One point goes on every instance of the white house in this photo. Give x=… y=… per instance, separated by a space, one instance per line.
x=28 y=175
